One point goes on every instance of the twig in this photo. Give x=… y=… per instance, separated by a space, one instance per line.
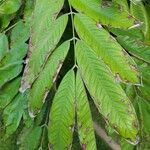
x=100 y=132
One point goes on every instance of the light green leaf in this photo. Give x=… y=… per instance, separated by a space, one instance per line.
x=84 y=117
x=31 y=135
x=8 y=92
x=110 y=15
x=13 y=113
x=10 y=6
x=136 y=47
x=133 y=33
x=144 y=113
x=62 y=115
x=40 y=27
x=144 y=108
x=3 y=45
x=9 y=72
x=108 y=95
x=107 y=48
x=30 y=138
x=4 y=21
x=15 y=55
x=19 y=34
x=43 y=49
x=29 y=6
x=47 y=77
x=140 y=12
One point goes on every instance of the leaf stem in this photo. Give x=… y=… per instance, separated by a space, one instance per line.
x=73 y=32
x=9 y=28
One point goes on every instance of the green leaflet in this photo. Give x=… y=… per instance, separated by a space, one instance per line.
x=62 y=115
x=4 y=21
x=136 y=47
x=106 y=15
x=133 y=33
x=13 y=113
x=15 y=55
x=3 y=45
x=37 y=59
x=48 y=11
x=108 y=95
x=19 y=34
x=9 y=143
x=8 y=92
x=10 y=6
x=11 y=64
x=41 y=41
x=112 y=54
x=9 y=72
x=145 y=89
x=30 y=138
x=144 y=110
x=47 y=77
x=84 y=117
x=140 y=12
x=29 y=6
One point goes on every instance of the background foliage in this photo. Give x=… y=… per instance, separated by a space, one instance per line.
x=74 y=74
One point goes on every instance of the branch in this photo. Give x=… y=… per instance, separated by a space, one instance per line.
x=100 y=132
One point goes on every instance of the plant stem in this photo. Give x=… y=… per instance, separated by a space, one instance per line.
x=73 y=32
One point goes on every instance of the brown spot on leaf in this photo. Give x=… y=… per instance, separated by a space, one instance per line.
x=120 y=8
x=106 y=3
x=133 y=67
x=83 y=146
x=98 y=25
x=71 y=127
x=117 y=77
x=130 y=16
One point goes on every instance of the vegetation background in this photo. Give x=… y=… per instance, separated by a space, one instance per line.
x=74 y=74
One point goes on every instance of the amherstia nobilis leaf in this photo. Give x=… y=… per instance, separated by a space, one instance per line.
x=42 y=44
x=30 y=138
x=133 y=33
x=9 y=72
x=84 y=117
x=3 y=45
x=11 y=65
x=105 y=14
x=136 y=47
x=62 y=115
x=8 y=92
x=44 y=82
x=108 y=95
x=141 y=13
x=112 y=54
x=19 y=34
x=144 y=113
x=9 y=6
x=13 y=113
